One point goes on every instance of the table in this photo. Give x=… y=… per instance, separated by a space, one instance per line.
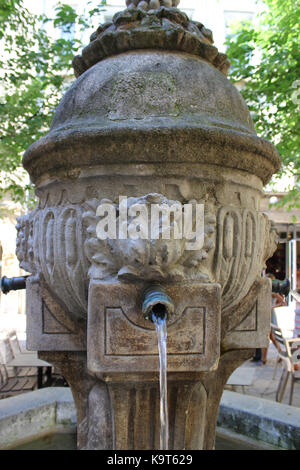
x=242 y=376
x=30 y=359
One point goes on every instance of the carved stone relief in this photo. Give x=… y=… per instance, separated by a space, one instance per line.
x=53 y=251
x=146 y=259
x=245 y=241
x=60 y=244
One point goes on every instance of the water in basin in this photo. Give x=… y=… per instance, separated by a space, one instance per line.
x=67 y=441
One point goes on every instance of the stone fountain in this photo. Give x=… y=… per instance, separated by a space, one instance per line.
x=150 y=119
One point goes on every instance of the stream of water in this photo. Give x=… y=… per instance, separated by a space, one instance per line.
x=161 y=330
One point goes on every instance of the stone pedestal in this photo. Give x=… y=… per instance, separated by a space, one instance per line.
x=116 y=383
x=122 y=411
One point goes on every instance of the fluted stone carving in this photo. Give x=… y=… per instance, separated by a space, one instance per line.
x=54 y=251
x=245 y=241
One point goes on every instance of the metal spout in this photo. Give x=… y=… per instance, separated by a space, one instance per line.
x=13 y=283
x=157 y=304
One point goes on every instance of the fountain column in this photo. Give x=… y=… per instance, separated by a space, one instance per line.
x=150 y=120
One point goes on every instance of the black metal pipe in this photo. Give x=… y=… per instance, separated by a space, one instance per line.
x=13 y=283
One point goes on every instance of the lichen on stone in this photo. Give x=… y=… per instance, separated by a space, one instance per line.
x=136 y=28
x=151 y=4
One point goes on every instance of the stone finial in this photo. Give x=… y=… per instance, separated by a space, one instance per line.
x=141 y=27
x=151 y=4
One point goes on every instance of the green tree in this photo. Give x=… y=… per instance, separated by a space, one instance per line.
x=265 y=56
x=35 y=71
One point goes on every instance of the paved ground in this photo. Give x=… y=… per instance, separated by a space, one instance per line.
x=263 y=384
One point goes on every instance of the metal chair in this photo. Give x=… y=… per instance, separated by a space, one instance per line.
x=289 y=353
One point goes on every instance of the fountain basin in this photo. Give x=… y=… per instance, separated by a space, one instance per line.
x=30 y=416
x=46 y=419
x=260 y=419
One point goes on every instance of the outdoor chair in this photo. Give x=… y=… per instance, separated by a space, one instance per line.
x=8 y=356
x=16 y=371
x=289 y=354
x=14 y=342
x=14 y=385
x=3 y=372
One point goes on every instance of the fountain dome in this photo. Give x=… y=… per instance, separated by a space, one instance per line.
x=151 y=88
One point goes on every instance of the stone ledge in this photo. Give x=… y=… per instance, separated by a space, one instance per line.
x=260 y=419
x=30 y=415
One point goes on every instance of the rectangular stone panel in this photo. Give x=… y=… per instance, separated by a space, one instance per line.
x=121 y=340
x=48 y=326
x=181 y=338
x=254 y=331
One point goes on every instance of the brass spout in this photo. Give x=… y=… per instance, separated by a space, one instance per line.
x=157 y=304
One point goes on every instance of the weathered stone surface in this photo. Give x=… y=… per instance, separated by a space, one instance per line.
x=121 y=340
x=151 y=107
x=28 y=416
x=64 y=248
x=149 y=124
x=261 y=419
x=129 y=406
x=156 y=255
x=250 y=321
x=32 y=415
x=49 y=326
x=164 y=28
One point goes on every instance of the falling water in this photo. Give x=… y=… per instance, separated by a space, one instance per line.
x=161 y=330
